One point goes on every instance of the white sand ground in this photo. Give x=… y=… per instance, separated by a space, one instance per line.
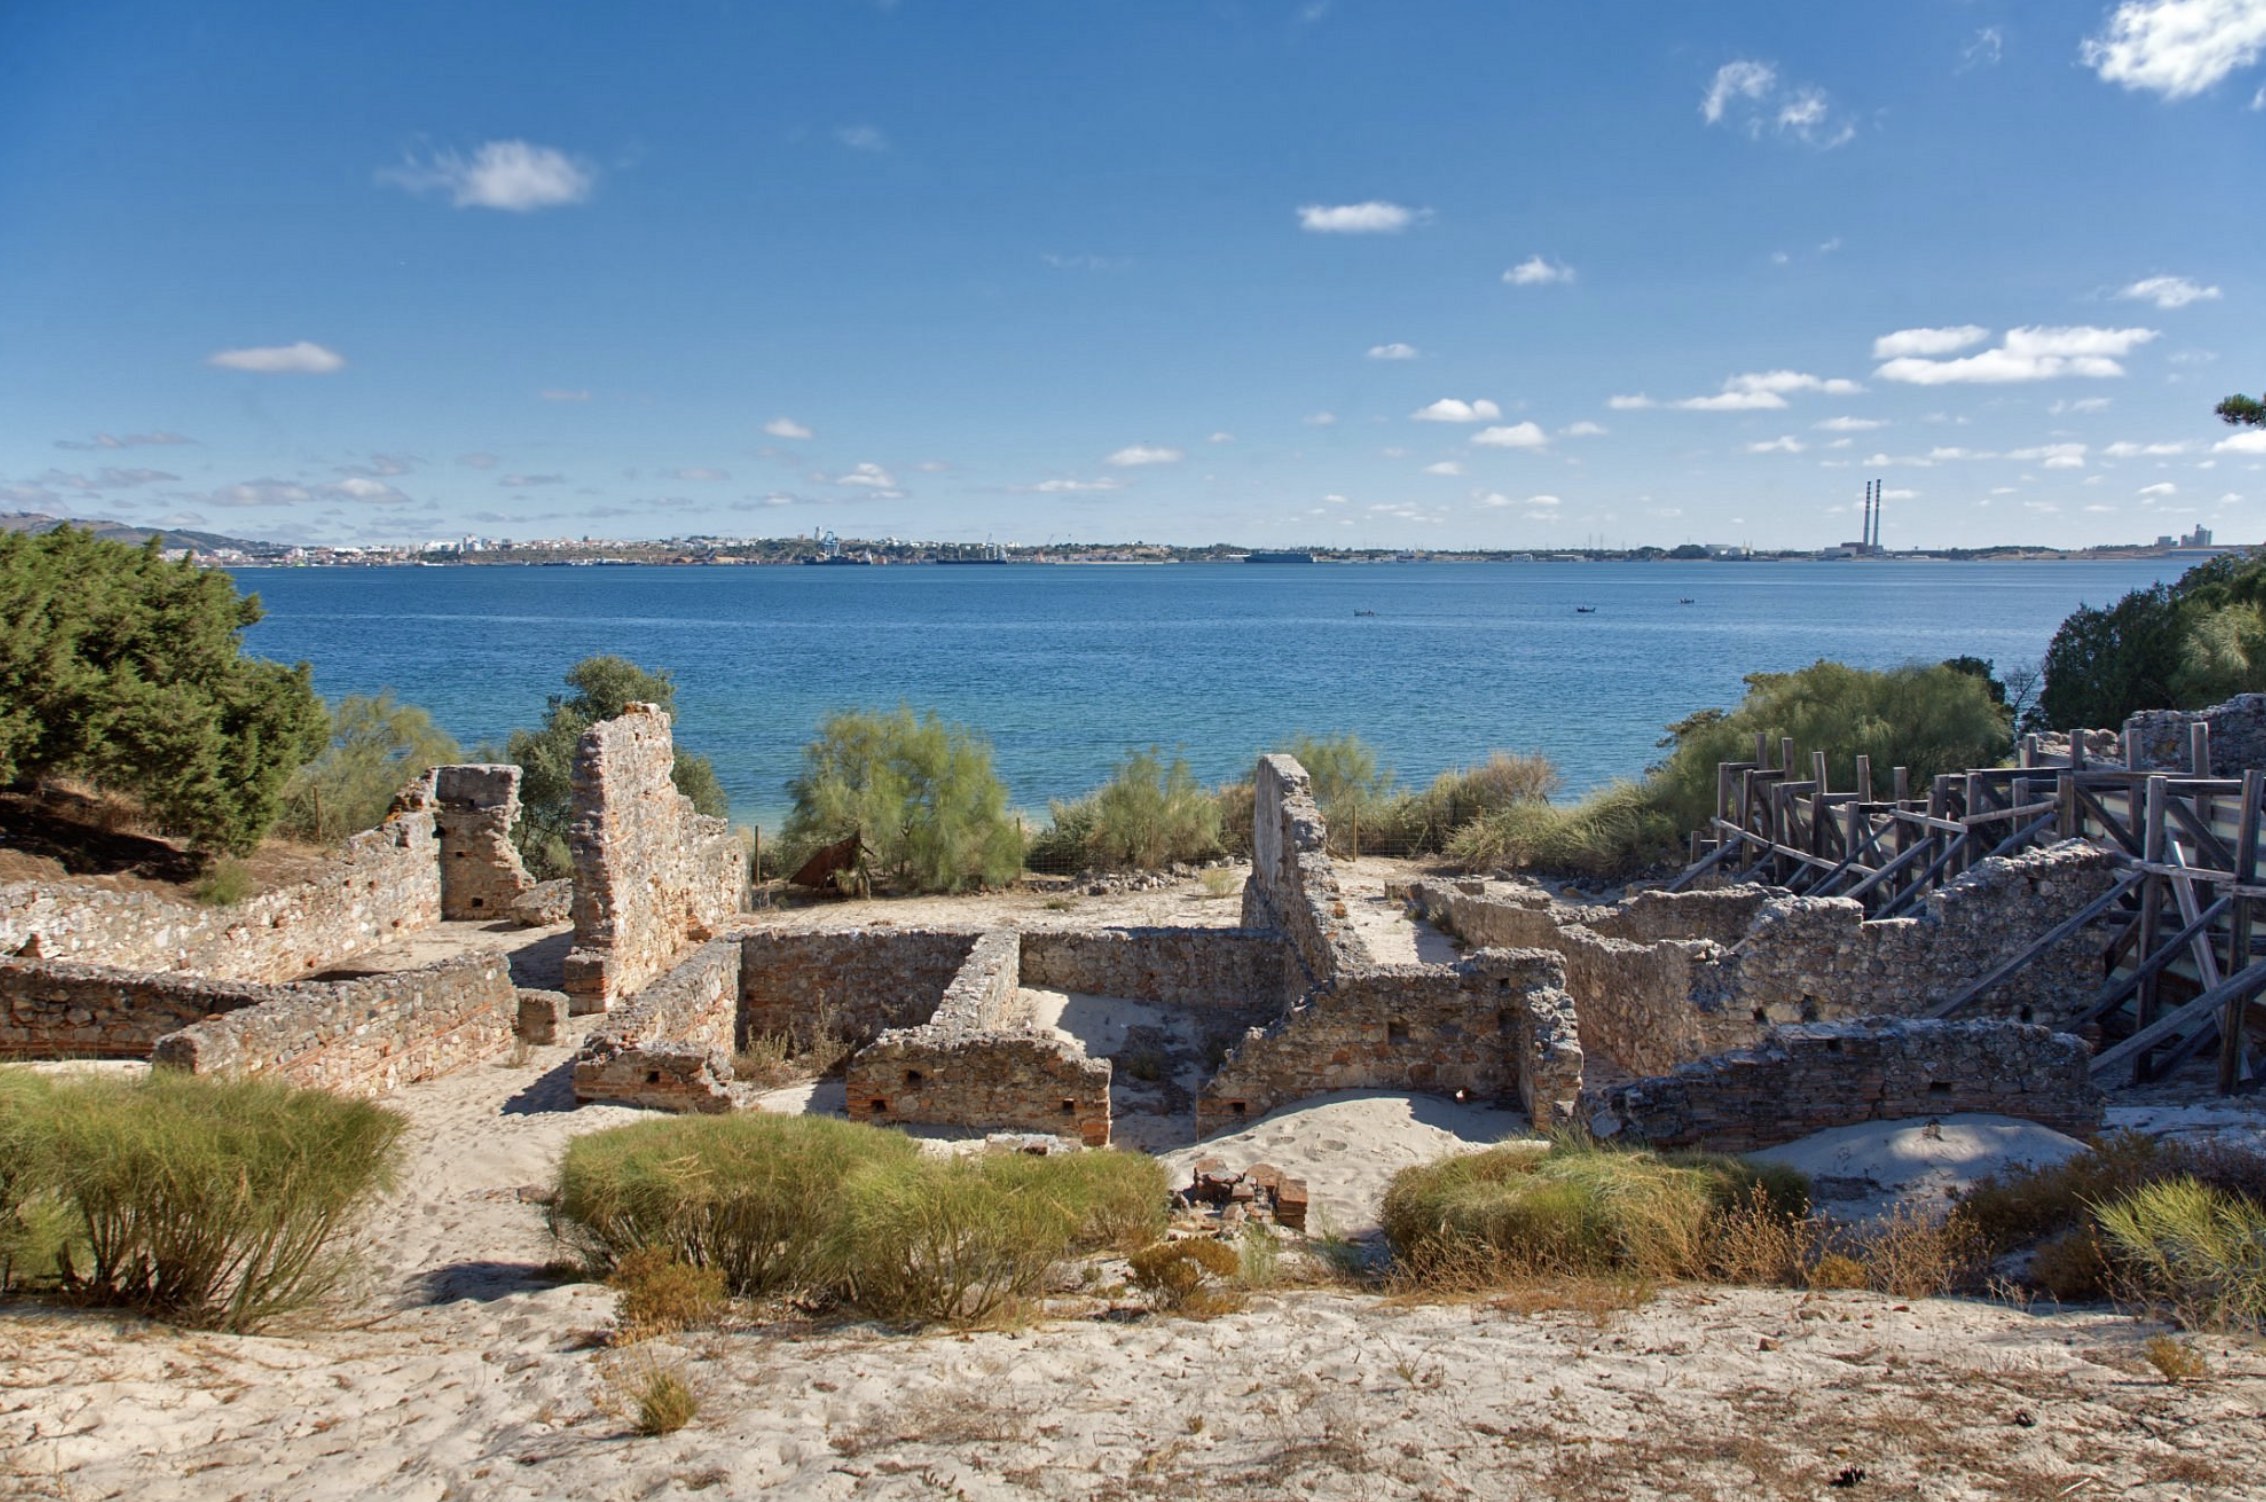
x=457 y=1371
x=1861 y=1171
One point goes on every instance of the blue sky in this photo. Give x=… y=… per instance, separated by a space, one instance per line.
x=1354 y=272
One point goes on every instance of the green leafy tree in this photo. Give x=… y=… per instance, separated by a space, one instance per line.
x=1929 y=719
x=920 y=792
x=376 y=747
x=603 y=688
x=2242 y=411
x=1151 y=813
x=128 y=671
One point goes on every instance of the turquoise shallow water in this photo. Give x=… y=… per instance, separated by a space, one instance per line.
x=1065 y=668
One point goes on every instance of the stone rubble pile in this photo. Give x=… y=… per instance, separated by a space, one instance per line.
x=1226 y=1199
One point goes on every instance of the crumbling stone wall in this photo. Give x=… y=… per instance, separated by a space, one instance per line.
x=856 y=983
x=55 y=1009
x=474 y=808
x=652 y=877
x=670 y=1048
x=1293 y=887
x=382 y=884
x=364 y=1036
x=1461 y=1029
x=1808 y=1077
x=970 y=1066
x=2238 y=736
x=1223 y=969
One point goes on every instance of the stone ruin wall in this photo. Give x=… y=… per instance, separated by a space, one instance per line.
x=1808 y=1077
x=474 y=808
x=671 y=1048
x=58 y=1009
x=652 y=877
x=364 y=1036
x=1293 y=888
x=383 y=883
x=1237 y=971
x=969 y=1065
x=1496 y=1026
x=855 y=983
x=2238 y=736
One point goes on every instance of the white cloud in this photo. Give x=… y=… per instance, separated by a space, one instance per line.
x=561 y=394
x=1942 y=341
x=1444 y=467
x=868 y=475
x=1583 y=429
x=2168 y=292
x=1749 y=94
x=2137 y=450
x=1222 y=437
x=1537 y=271
x=1073 y=487
x=1320 y=419
x=1732 y=401
x=2080 y=404
x=515 y=176
x=369 y=492
x=701 y=476
x=1392 y=351
x=525 y=482
x=2027 y=354
x=1372 y=218
x=2177 y=48
x=302 y=358
x=1849 y=424
x=1136 y=455
x=129 y=441
x=1542 y=500
x=1900 y=495
x=1449 y=409
x=1491 y=499
x=1638 y=403
x=1984 y=50
x=2052 y=455
x=1791 y=380
x=1741 y=79
x=1786 y=445
x=862 y=137
x=1518 y=435
x=787 y=427
x=2164 y=487
x=260 y=493
x=2251 y=441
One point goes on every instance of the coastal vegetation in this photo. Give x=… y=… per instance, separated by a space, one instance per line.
x=2182 y=645
x=1150 y=814
x=919 y=792
x=377 y=746
x=602 y=688
x=126 y=671
x=199 y=1200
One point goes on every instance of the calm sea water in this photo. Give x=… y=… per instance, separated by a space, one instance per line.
x=1067 y=668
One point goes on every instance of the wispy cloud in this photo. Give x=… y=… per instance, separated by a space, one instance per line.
x=2176 y=48
x=2168 y=292
x=1786 y=445
x=515 y=176
x=1375 y=217
x=477 y=461
x=563 y=394
x=787 y=427
x=1583 y=429
x=1538 y=271
x=528 y=482
x=701 y=476
x=862 y=137
x=1392 y=351
x=1444 y=467
x=1983 y=50
x=302 y=358
x=128 y=441
x=1517 y=435
x=1069 y=487
x=1849 y=424
x=868 y=475
x=1135 y=456
x=1750 y=96
x=1937 y=341
x=1754 y=391
x=2027 y=354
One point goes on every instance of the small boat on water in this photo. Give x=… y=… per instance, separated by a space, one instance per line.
x=1585 y=610
x=1686 y=600
x=1365 y=612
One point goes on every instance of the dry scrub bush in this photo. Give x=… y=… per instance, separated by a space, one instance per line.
x=1582 y=1209
x=1192 y=1277
x=1425 y=822
x=1613 y=832
x=753 y=1196
x=2197 y=1252
x=2175 y=1360
x=813 y=1048
x=924 y=1241
x=660 y=1294
x=212 y=1201
x=1913 y=1254
x=659 y=1398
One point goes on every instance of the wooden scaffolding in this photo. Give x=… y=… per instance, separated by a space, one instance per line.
x=2178 y=969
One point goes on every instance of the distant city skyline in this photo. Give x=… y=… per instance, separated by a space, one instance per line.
x=1275 y=272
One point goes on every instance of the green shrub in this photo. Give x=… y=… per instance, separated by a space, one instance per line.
x=919 y=791
x=214 y=1201
x=28 y=1230
x=1061 y=846
x=954 y=1242
x=1928 y=719
x=1616 y=831
x=665 y=1401
x=1239 y=810
x=128 y=671
x=1193 y=1276
x=1152 y=813
x=377 y=746
x=2026 y=1205
x=1348 y=784
x=1460 y=796
x=1578 y=1209
x=753 y=1196
x=1116 y=1201
x=226 y=882
x=603 y=688
x=2195 y=1251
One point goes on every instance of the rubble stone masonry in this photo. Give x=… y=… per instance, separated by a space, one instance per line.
x=652 y=877
x=670 y=1048
x=474 y=808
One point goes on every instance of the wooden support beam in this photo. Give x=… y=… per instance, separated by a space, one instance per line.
x=2234 y=1063
x=1864 y=778
x=2152 y=833
x=2000 y=972
x=2239 y=987
x=1952 y=845
x=2112 y=995
x=1694 y=872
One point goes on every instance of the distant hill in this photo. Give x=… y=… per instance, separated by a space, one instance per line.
x=203 y=542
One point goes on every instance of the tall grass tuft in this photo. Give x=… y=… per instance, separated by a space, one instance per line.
x=955 y=1242
x=214 y=1201
x=29 y=1233
x=1115 y=1200
x=2195 y=1251
x=1613 y=832
x=752 y=1196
